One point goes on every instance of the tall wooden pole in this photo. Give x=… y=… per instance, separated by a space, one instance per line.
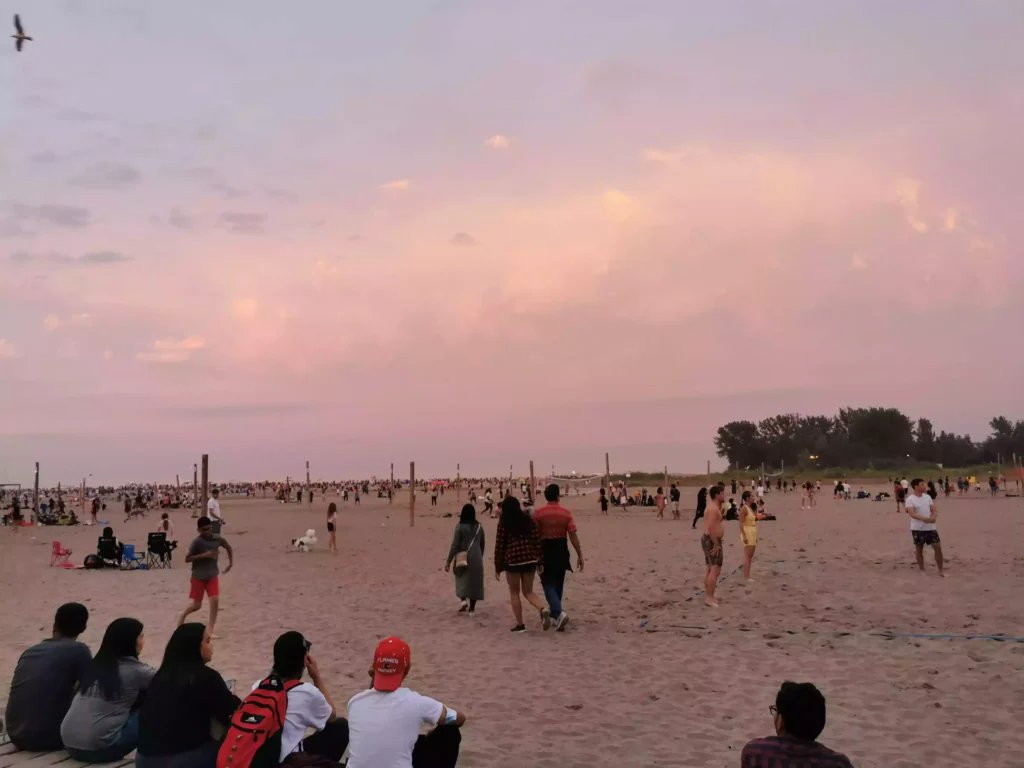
x=664 y=486
x=206 y=481
x=607 y=474
x=533 y=483
x=412 y=493
x=307 y=473
x=35 y=494
x=458 y=486
x=709 y=473
x=510 y=474
x=195 y=490
x=83 y=498
x=391 y=491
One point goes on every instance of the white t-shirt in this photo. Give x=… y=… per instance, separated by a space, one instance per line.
x=213 y=510
x=307 y=708
x=760 y=491
x=383 y=727
x=922 y=505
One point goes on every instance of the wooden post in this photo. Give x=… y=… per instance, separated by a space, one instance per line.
x=607 y=475
x=533 y=483
x=307 y=473
x=35 y=494
x=195 y=490
x=458 y=486
x=664 y=486
x=709 y=473
x=206 y=481
x=391 y=492
x=83 y=498
x=412 y=493
x=510 y=475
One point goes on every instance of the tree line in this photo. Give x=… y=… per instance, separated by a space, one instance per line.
x=861 y=438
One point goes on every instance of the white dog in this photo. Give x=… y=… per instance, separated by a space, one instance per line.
x=305 y=543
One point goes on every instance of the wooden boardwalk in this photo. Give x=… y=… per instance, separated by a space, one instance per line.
x=11 y=757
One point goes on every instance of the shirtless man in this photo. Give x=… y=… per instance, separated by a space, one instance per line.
x=711 y=543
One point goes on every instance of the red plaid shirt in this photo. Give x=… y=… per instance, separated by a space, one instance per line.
x=790 y=752
x=516 y=550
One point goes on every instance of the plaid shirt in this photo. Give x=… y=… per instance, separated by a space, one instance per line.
x=516 y=550
x=790 y=752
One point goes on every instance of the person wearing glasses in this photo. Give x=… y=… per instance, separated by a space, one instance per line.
x=799 y=715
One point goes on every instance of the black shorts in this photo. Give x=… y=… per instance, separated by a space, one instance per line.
x=330 y=527
x=707 y=544
x=528 y=568
x=931 y=538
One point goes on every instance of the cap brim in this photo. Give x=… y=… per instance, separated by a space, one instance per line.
x=386 y=683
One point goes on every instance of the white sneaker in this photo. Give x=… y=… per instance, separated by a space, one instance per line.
x=464 y=606
x=561 y=621
x=545 y=618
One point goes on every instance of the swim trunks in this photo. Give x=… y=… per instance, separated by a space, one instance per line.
x=931 y=538
x=707 y=544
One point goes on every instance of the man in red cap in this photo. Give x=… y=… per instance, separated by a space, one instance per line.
x=384 y=721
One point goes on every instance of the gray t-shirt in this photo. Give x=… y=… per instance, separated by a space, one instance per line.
x=93 y=722
x=41 y=692
x=206 y=569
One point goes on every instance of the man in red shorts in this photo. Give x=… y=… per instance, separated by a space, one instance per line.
x=202 y=553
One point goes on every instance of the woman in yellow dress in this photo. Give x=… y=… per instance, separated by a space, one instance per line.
x=748 y=533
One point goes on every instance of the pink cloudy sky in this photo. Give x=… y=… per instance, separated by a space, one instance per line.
x=482 y=232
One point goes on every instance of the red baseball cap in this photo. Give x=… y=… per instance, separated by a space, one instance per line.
x=391 y=662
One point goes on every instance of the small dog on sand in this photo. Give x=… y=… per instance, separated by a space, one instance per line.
x=305 y=543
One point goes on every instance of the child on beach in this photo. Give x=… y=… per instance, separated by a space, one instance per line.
x=332 y=518
x=659 y=502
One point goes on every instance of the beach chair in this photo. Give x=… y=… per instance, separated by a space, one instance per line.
x=59 y=555
x=131 y=561
x=158 y=551
x=109 y=552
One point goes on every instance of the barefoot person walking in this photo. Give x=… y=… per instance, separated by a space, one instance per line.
x=921 y=508
x=202 y=553
x=748 y=532
x=711 y=543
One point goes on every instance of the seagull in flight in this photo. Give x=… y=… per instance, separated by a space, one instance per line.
x=20 y=37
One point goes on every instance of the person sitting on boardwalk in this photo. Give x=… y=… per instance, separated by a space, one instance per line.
x=385 y=720
x=45 y=680
x=799 y=714
x=309 y=705
x=102 y=725
x=185 y=697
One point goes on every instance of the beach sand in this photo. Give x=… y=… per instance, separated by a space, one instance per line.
x=689 y=689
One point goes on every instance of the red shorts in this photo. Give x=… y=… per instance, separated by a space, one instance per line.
x=211 y=587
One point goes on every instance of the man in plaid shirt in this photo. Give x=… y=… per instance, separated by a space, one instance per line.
x=799 y=714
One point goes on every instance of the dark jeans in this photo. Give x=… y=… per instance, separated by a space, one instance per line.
x=202 y=757
x=127 y=740
x=331 y=742
x=438 y=749
x=553 y=581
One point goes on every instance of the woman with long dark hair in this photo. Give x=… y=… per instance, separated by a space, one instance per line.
x=182 y=702
x=469 y=576
x=102 y=724
x=517 y=552
x=332 y=522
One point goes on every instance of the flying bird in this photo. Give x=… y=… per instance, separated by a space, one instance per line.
x=20 y=37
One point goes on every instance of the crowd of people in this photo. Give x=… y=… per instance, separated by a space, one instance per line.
x=183 y=714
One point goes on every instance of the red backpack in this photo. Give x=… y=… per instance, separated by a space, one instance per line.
x=254 y=736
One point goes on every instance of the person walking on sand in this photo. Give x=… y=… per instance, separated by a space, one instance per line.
x=675 y=498
x=202 y=554
x=923 y=514
x=213 y=512
x=557 y=529
x=332 y=522
x=467 y=551
x=659 y=502
x=748 y=533
x=517 y=553
x=604 y=502
x=711 y=544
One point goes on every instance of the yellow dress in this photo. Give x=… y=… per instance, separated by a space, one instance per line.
x=748 y=530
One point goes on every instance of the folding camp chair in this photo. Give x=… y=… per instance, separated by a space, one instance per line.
x=59 y=555
x=158 y=551
x=131 y=561
x=109 y=552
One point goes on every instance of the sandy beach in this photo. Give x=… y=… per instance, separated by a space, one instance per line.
x=688 y=689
